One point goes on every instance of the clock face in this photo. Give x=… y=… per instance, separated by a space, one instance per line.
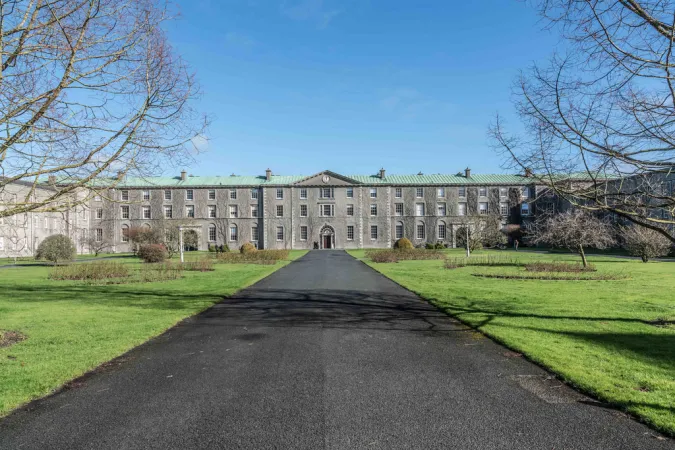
x=326 y=178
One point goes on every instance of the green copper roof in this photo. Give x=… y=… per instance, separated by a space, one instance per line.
x=442 y=179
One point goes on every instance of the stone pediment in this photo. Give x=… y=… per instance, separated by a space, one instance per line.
x=327 y=178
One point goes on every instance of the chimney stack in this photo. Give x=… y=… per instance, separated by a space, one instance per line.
x=528 y=172
x=52 y=179
x=382 y=172
x=120 y=174
x=467 y=172
x=268 y=174
x=183 y=175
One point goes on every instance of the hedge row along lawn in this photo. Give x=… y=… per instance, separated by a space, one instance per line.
x=613 y=339
x=71 y=328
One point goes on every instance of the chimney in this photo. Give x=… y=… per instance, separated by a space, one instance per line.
x=382 y=172
x=52 y=179
x=467 y=172
x=120 y=174
x=268 y=174
x=528 y=172
x=183 y=175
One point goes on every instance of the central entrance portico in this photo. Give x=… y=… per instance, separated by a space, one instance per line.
x=327 y=235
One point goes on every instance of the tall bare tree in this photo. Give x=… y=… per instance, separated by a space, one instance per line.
x=604 y=110
x=89 y=90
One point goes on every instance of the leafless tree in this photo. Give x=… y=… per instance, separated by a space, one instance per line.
x=94 y=245
x=645 y=243
x=480 y=230
x=600 y=119
x=573 y=230
x=90 y=90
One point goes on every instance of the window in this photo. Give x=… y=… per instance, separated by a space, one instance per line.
x=46 y=222
x=233 y=194
x=233 y=232
x=399 y=230
x=167 y=195
x=146 y=212
x=461 y=209
x=97 y=198
x=213 y=212
x=303 y=210
x=168 y=211
x=419 y=192
x=234 y=211
x=525 y=192
x=461 y=192
x=254 y=194
x=373 y=232
x=125 y=196
x=442 y=210
x=419 y=209
x=280 y=193
x=2 y=243
x=212 y=194
x=482 y=208
x=254 y=233
x=350 y=192
x=398 y=192
x=303 y=233
x=441 y=231
x=525 y=209
x=326 y=192
x=482 y=191
x=327 y=210
x=373 y=210
x=99 y=213
x=280 y=210
x=99 y=234
x=190 y=211
x=440 y=192
x=350 y=232
x=212 y=233
x=303 y=193
x=125 y=233
x=254 y=210
x=189 y=194
x=373 y=192
x=146 y=195
x=502 y=192
x=125 y=212
x=420 y=231
x=398 y=209
x=504 y=209
x=280 y=233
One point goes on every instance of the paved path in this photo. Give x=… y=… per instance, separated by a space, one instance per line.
x=325 y=353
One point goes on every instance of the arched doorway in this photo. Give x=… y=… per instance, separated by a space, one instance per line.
x=190 y=240
x=327 y=236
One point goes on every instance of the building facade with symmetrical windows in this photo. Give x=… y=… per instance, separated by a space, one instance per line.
x=325 y=210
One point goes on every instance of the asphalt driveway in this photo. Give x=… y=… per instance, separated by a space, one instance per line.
x=324 y=353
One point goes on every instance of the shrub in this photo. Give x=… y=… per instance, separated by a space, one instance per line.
x=384 y=257
x=202 y=265
x=248 y=248
x=389 y=255
x=429 y=246
x=56 y=248
x=483 y=260
x=257 y=257
x=558 y=267
x=160 y=271
x=223 y=248
x=439 y=246
x=152 y=253
x=645 y=242
x=403 y=244
x=211 y=248
x=96 y=270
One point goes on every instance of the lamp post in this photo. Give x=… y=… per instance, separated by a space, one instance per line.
x=180 y=242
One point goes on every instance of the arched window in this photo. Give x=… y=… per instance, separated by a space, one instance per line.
x=233 y=233
x=399 y=230
x=442 y=231
x=212 y=233
x=254 y=233
x=146 y=226
x=125 y=233
x=420 y=230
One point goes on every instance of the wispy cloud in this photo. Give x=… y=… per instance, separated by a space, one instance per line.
x=314 y=11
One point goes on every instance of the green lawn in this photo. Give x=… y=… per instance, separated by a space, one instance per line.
x=596 y=335
x=72 y=328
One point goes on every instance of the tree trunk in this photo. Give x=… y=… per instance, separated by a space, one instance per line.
x=468 y=251
x=583 y=256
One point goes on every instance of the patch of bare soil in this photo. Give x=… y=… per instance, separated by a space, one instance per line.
x=9 y=337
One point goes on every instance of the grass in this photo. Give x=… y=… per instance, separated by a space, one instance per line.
x=71 y=327
x=612 y=339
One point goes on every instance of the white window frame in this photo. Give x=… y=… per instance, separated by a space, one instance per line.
x=440 y=192
x=462 y=208
x=212 y=211
x=398 y=192
x=350 y=232
x=350 y=210
x=124 y=212
x=419 y=192
x=144 y=210
x=350 y=192
x=254 y=194
x=280 y=209
x=167 y=194
x=233 y=211
x=398 y=209
x=254 y=210
x=303 y=232
x=254 y=233
x=418 y=227
x=280 y=194
x=168 y=208
x=303 y=210
x=504 y=209
x=483 y=208
x=280 y=234
x=146 y=195
x=233 y=237
x=212 y=233
x=373 y=192
x=303 y=193
x=442 y=209
x=190 y=211
x=99 y=235
x=442 y=231
x=373 y=210
x=212 y=194
x=396 y=230
x=417 y=209
x=525 y=192
x=482 y=191
x=99 y=213
x=503 y=192
x=189 y=194
x=325 y=207
x=461 y=192
x=373 y=233
x=124 y=195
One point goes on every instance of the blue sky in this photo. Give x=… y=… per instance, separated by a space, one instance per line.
x=353 y=85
